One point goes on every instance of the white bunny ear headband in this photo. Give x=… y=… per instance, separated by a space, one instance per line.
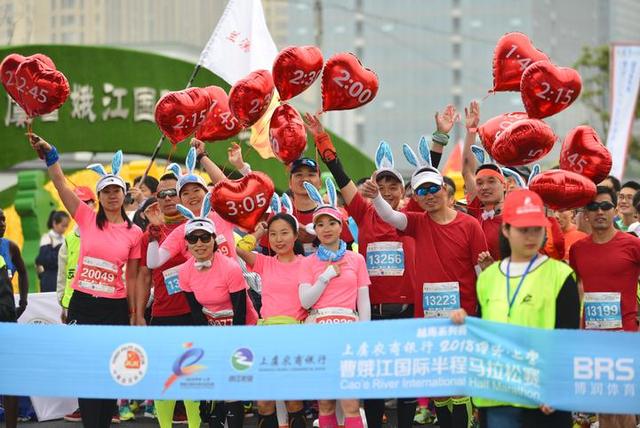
x=278 y=204
x=425 y=172
x=201 y=222
x=190 y=176
x=322 y=208
x=109 y=179
x=385 y=166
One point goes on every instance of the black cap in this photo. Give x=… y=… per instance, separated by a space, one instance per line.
x=298 y=163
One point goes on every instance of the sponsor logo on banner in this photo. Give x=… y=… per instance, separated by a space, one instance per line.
x=242 y=359
x=128 y=364
x=185 y=366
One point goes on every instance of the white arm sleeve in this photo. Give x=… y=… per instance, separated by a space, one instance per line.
x=309 y=294
x=364 y=304
x=156 y=256
x=388 y=214
x=61 y=278
x=245 y=170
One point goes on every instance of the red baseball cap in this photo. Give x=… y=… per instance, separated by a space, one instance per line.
x=524 y=208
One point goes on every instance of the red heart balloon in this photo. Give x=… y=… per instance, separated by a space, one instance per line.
x=583 y=152
x=287 y=134
x=41 y=89
x=250 y=97
x=563 y=190
x=346 y=84
x=243 y=202
x=220 y=123
x=295 y=69
x=492 y=128
x=523 y=142
x=513 y=54
x=8 y=69
x=547 y=89
x=178 y=114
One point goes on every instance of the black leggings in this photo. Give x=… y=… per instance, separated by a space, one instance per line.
x=86 y=309
x=374 y=408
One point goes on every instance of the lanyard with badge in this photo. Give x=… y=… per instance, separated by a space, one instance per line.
x=524 y=275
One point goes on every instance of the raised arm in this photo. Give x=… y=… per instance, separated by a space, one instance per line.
x=235 y=158
x=444 y=122
x=68 y=197
x=215 y=174
x=245 y=246
x=469 y=164
x=329 y=156
x=395 y=218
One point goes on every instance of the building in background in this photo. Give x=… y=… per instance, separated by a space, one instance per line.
x=426 y=54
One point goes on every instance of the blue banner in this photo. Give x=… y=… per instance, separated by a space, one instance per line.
x=566 y=369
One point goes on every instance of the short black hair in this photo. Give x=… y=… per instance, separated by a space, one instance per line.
x=631 y=185
x=56 y=217
x=168 y=176
x=150 y=182
x=451 y=185
x=636 y=201
x=604 y=190
x=615 y=181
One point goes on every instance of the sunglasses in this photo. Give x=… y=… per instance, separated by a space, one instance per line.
x=604 y=206
x=430 y=190
x=168 y=193
x=205 y=238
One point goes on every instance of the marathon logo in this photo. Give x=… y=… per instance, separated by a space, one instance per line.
x=603 y=368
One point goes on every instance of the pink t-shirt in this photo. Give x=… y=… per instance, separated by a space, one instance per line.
x=341 y=291
x=103 y=254
x=175 y=243
x=280 y=282
x=212 y=287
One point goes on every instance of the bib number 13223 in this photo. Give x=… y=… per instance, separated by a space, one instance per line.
x=440 y=298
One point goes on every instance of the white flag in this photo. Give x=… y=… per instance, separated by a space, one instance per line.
x=241 y=42
x=625 y=81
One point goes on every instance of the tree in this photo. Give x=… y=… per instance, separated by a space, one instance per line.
x=593 y=66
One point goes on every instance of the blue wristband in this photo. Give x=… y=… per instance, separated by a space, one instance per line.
x=52 y=156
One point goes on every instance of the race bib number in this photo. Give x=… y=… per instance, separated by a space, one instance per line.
x=385 y=259
x=602 y=311
x=223 y=245
x=440 y=298
x=332 y=316
x=171 y=280
x=220 y=318
x=98 y=275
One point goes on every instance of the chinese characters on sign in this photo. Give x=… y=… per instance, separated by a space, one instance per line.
x=116 y=103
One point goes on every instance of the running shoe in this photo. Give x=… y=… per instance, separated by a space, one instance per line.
x=126 y=414
x=73 y=417
x=115 y=419
x=180 y=419
x=248 y=409
x=134 y=406
x=150 y=410
x=423 y=416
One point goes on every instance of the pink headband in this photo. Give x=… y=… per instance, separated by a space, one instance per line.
x=327 y=210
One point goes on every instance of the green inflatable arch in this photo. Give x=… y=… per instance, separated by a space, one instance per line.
x=113 y=92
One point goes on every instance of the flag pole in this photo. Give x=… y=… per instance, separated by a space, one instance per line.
x=194 y=73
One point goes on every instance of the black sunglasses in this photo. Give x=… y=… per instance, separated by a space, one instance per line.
x=168 y=193
x=192 y=239
x=604 y=206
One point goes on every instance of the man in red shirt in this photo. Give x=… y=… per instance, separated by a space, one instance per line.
x=449 y=244
x=484 y=185
x=608 y=265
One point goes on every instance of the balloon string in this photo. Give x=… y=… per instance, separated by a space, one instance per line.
x=171 y=153
x=491 y=92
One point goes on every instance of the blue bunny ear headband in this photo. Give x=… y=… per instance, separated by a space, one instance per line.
x=190 y=176
x=201 y=222
x=330 y=209
x=385 y=164
x=113 y=178
x=278 y=204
